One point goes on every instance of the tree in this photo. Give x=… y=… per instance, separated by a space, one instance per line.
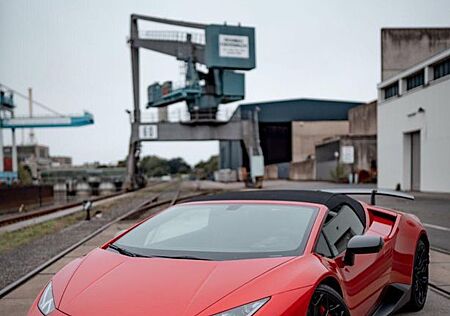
x=154 y=166
x=338 y=174
x=205 y=169
x=178 y=166
x=24 y=174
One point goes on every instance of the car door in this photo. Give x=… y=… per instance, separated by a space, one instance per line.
x=363 y=281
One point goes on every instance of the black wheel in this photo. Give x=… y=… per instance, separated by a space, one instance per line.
x=327 y=302
x=419 y=286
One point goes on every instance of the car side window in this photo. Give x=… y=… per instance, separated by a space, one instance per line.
x=322 y=247
x=342 y=224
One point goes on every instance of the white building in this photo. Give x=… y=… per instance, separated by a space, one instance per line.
x=414 y=127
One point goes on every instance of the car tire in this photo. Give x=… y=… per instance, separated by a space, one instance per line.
x=327 y=301
x=419 y=286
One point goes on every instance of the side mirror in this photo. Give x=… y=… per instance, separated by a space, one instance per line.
x=362 y=244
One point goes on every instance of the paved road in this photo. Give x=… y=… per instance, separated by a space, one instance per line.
x=436 y=305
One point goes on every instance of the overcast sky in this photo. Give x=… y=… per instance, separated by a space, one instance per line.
x=75 y=57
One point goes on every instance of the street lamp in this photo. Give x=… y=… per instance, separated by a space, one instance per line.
x=336 y=156
x=129 y=115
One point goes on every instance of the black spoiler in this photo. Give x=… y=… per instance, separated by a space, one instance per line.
x=372 y=192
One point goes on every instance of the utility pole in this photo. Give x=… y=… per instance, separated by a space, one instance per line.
x=14 y=151
x=133 y=152
x=1 y=144
x=30 y=104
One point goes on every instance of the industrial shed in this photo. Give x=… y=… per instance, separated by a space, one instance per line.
x=288 y=130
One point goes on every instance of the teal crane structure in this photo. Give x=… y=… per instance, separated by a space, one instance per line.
x=9 y=121
x=215 y=58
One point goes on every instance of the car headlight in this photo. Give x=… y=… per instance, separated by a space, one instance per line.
x=245 y=310
x=46 y=303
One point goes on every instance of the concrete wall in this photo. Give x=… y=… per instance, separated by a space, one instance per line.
x=305 y=136
x=365 y=155
x=399 y=116
x=363 y=119
x=403 y=48
x=365 y=151
x=277 y=171
x=271 y=172
x=304 y=170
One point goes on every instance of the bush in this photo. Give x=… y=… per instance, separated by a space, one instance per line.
x=338 y=174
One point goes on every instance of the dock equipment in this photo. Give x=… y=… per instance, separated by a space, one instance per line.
x=223 y=49
x=214 y=62
x=48 y=121
x=8 y=120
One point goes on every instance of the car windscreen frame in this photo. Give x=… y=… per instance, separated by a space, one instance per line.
x=225 y=256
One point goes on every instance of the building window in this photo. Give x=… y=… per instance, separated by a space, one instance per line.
x=391 y=91
x=442 y=69
x=415 y=80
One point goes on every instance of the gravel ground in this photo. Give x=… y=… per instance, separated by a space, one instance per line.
x=23 y=259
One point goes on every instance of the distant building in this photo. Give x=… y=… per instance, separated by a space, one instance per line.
x=35 y=158
x=289 y=130
x=61 y=161
x=354 y=152
x=307 y=134
x=402 y=48
x=413 y=121
x=25 y=152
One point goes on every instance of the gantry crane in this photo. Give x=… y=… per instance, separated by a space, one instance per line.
x=10 y=121
x=223 y=51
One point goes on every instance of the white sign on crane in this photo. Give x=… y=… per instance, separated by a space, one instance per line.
x=148 y=131
x=234 y=46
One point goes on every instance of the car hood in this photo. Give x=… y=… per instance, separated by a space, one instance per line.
x=106 y=283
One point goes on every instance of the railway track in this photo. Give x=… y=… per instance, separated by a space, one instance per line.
x=49 y=210
x=147 y=205
x=16 y=218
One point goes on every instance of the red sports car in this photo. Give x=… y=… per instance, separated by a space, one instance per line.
x=252 y=253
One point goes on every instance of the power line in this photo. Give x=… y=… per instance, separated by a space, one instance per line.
x=40 y=104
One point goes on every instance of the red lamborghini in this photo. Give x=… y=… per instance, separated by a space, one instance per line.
x=252 y=253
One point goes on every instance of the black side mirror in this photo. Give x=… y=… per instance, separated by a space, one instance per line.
x=362 y=244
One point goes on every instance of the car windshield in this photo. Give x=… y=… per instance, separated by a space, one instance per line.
x=222 y=231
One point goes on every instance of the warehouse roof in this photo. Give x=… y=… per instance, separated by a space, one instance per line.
x=300 y=110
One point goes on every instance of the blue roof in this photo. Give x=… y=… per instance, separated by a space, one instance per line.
x=300 y=110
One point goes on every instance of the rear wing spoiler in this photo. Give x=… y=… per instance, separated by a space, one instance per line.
x=372 y=192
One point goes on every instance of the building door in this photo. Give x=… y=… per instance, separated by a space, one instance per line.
x=415 y=161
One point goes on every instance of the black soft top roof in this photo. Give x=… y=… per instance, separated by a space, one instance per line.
x=330 y=200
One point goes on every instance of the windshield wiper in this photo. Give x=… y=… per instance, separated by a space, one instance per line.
x=128 y=253
x=181 y=257
x=124 y=251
